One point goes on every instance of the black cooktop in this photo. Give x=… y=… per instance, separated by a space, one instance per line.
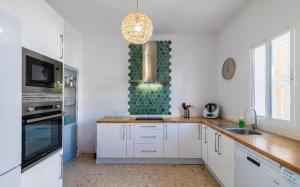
x=149 y=118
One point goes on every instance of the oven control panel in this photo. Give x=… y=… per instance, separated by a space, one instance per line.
x=30 y=108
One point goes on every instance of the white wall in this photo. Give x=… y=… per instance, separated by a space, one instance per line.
x=41 y=25
x=261 y=19
x=105 y=78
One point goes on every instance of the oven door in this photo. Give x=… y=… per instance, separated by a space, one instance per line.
x=41 y=135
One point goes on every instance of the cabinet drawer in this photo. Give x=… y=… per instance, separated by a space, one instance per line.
x=148 y=150
x=148 y=136
x=149 y=126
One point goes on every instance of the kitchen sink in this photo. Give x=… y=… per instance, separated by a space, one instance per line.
x=243 y=131
x=224 y=126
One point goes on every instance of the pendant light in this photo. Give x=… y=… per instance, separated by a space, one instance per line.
x=136 y=27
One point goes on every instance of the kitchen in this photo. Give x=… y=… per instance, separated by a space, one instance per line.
x=119 y=106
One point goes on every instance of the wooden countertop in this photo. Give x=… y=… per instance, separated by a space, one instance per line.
x=164 y=120
x=283 y=150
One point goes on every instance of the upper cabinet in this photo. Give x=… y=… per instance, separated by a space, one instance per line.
x=42 y=27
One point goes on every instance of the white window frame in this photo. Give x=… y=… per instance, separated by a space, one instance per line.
x=268 y=120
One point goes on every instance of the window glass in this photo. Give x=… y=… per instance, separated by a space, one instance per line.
x=281 y=80
x=260 y=79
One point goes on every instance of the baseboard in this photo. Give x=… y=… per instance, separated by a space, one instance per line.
x=194 y=161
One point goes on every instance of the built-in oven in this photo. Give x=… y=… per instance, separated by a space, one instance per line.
x=41 y=74
x=41 y=130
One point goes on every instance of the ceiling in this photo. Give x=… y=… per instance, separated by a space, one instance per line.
x=168 y=16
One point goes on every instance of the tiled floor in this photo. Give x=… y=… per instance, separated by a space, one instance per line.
x=83 y=172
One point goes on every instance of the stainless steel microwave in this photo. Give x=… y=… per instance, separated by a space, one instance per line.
x=41 y=74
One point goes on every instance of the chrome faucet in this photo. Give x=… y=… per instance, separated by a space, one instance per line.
x=254 y=126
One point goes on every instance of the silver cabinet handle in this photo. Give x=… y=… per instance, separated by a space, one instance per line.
x=276 y=181
x=148 y=126
x=128 y=127
x=166 y=132
x=123 y=132
x=205 y=136
x=61 y=166
x=149 y=137
x=148 y=151
x=130 y=132
x=199 y=132
x=216 y=142
x=61 y=46
x=219 y=152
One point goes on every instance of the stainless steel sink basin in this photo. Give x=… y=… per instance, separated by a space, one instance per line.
x=224 y=126
x=243 y=131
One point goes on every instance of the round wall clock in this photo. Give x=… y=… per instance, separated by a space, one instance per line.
x=228 y=69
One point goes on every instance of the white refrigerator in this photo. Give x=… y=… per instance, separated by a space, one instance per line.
x=10 y=101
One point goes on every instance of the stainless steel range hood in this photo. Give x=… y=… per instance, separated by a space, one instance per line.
x=149 y=62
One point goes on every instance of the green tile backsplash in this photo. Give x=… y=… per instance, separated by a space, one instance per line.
x=146 y=98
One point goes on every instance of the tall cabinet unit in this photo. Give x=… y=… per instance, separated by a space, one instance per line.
x=10 y=99
x=70 y=116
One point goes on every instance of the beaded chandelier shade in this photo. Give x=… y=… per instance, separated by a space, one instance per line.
x=137 y=28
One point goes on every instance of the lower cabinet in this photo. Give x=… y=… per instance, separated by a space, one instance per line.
x=190 y=140
x=11 y=178
x=149 y=140
x=48 y=173
x=204 y=142
x=221 y=157
x=171 y=140
x=111 y=141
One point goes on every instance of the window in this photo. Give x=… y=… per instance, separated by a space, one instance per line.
x=272 y=78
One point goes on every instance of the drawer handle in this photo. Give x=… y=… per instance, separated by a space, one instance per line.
x=148 y=126
x=149 y=137
x=253 y=161
x=148 y=151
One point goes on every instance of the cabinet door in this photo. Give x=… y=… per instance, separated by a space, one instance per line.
x=212 y=159
x=11 y=178
x=189 y=140
x=130 y=142
x=226 y=160
x=171 y=140
x=111 y=141
x=47 y=173
x=204 y=143
x=11 y=92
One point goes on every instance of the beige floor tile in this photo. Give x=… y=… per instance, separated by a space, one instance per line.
x=83 y=172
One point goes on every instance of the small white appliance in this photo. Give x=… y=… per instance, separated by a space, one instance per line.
x=211 y=111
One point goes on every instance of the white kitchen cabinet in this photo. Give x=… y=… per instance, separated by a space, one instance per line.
x=190 y=140
x=48 y=173
x=41 y=26
x=212 y=149
x=111 y=141
x=171 y=140
x=11 y=178
x=10 y=97
x=148 y=139
x=226 y=160
x=204 y=143
x=221 y=157
x=130 y=141
x=148 y=150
